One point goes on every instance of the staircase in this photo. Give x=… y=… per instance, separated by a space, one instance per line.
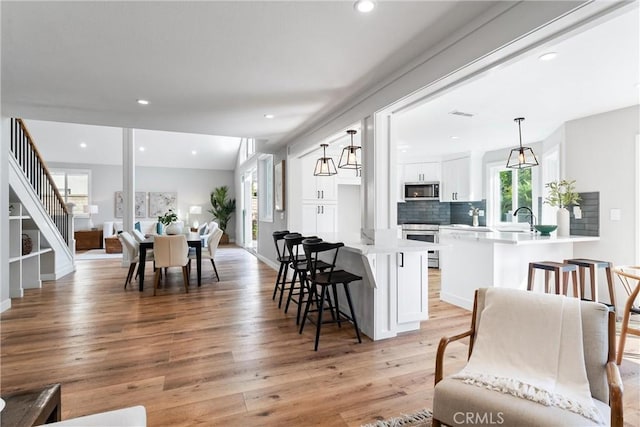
x=32 y=186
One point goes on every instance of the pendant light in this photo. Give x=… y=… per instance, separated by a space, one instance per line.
x=349 y=156
x=522 y=157
x=325 y=165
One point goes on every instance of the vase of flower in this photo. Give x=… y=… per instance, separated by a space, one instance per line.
x=563 y=220
x=169 y=221
x=561 y=195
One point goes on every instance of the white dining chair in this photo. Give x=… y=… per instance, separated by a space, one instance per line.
x=171 y=251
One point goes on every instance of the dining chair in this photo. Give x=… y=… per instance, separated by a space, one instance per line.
x=137 y=234
x=171 y=251
x=630 y=278
x=210 y=251
x=130 y=252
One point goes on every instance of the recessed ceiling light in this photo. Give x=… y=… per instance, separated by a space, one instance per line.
x=194 y=152
x=547 y=56
x=455 y=137
x=143 y=102
x=364 y=6
x=83 y=144
x=404 y=151
x=141 y=148
x=269 y=116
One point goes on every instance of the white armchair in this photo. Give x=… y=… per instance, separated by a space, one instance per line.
x=456 y=396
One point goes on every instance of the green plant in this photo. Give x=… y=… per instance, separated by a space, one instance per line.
x=562 y=193
x=168 y=217
x=222 y=207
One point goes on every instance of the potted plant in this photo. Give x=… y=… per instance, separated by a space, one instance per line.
x=561 y=195
x=169 y=221
x=222 y=208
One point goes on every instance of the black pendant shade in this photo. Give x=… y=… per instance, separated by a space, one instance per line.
x=325 y=165
x=349 y=156
x=521 y=157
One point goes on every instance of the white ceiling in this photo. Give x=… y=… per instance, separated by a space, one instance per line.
x=209 y=67
x=61 y=142
x=597 y=70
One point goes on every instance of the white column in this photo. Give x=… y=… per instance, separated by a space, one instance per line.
x=5 y=136
x=128 y=178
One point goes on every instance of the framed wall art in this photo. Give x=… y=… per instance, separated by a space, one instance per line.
x=160 y=203
x=278 y=182
x=140 y=208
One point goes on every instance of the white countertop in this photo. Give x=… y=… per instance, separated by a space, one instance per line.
x=515 y=238
x=351 y=243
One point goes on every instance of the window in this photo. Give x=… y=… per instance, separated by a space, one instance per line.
x=73 y=186
x=265 y=184
x=247 y=149
x=509 y=190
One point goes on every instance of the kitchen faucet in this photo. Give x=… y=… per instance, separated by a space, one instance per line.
x=532 y=217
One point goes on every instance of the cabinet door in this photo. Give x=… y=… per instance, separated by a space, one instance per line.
x=412 y=286
x=448 y=184
x=327 y=219
x=426 y=171
x=327 y=187
x=309 y=214
x=309 y=190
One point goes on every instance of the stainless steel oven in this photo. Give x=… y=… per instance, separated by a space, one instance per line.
x=424 y=233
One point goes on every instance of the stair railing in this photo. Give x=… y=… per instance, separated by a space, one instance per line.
x=35 y=169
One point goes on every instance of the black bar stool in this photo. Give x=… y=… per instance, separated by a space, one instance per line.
x=557 y=268
x=283 y=258
x=299 y=266
x=594 y=265
x=312 y=250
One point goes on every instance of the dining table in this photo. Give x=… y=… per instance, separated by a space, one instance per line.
x=193 y=240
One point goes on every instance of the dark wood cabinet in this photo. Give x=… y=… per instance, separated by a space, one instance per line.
x=88 y=239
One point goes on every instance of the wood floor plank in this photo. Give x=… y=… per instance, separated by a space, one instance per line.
x=224 y=354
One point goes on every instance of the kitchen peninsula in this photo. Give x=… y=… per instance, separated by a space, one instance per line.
x=472 y=259
x=393 y=297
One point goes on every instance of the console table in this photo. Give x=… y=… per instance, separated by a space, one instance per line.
x=88 y=239
x=32 y=407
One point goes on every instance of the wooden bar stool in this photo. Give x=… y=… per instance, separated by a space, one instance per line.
x=557 y=268
x=593 y=265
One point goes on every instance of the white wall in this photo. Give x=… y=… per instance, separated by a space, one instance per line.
x=192 y=185
x=600 y=156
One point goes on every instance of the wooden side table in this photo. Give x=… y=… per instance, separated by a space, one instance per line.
x=112 y=245
x=32 y=407
x=88 y=239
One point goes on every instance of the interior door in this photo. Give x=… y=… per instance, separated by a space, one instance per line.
x=246 y=209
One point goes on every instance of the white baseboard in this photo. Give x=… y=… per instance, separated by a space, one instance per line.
x=68 y=269
x=5 y=305
x=269 y=262
x=455 y=300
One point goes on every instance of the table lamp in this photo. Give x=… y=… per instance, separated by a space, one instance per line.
x=91 y=210
x=195 y=210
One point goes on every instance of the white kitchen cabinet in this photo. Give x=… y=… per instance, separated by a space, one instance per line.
x=24 y=270
x=319 y=218
x=418 y=172
x=317 y=188
x=461 y=179
x=349 y=176
x=412 y=287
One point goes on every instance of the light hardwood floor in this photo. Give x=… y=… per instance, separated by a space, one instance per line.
x=224 y=354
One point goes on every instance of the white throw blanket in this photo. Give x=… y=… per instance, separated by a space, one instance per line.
x=538 y=357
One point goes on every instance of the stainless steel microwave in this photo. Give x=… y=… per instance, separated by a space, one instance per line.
x=421 y=191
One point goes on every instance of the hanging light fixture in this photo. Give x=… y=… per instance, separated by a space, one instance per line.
x=522 y=157
x=349 y=156
x=325 y=165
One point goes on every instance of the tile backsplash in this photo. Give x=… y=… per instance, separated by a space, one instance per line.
x=438 y=212
x=432 y=211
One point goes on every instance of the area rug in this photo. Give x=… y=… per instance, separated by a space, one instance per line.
x=421 y=419
x=96 y=254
